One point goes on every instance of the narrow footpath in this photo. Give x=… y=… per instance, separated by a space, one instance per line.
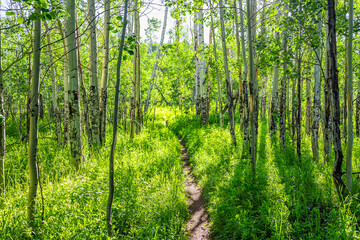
x=198 y=225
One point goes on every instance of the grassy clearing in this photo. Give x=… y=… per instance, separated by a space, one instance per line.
x=149 y=201
x=288 y=199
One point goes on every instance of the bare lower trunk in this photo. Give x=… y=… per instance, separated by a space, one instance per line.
x=104 y=73
x=2 y=127
x=337 y=172
x=227 y=74
x=83 y=91
x=317 y=94
x=349 y=147
x=74 y=105
x=94 y=89
x=114 y=139
x=33 y=132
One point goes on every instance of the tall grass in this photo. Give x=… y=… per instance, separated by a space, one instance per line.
x=149 y=201
x=287 y=199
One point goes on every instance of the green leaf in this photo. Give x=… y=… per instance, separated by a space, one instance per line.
x=20 y=20
x=110 y=28
x=10 y=13
x=119 y=18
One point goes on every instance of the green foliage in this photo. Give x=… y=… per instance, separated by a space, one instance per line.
x=149 y=201
x=288 y=198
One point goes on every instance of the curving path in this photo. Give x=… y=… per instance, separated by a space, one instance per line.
x=198 y=225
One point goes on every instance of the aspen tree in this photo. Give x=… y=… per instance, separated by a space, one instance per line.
x=2 y=125
x=54 y=88
x=74 y=104
x=115 y=121
x=245 y=109
x=94 y=89
x=274 y=97
x=349 y=147
x=227 y=74
x=66 y=83
x=218 y=80
x=337 y=172
x=105 y=72
x=317 y=94
x=253 y=93
x=34 y=128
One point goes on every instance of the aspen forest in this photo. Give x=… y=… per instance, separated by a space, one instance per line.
x=180 y=119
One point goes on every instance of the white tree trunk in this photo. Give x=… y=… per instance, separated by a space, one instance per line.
x=94 y=89
x=104 y=73
x=74 y=104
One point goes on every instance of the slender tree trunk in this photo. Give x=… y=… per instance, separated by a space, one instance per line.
x=245 y=109
x=94 y=89
x=298 y=112
x=218 y=79
x=317 y=94
x=202 y=79
x=263 y=99
x=104 y=73
x=357 y=117
x=2 y=126
x=344 y=134
x=137 y=68
x=74 y=105
x=349 y=147
x=197 y=64
x=308 y=106
x=337 y=172
x=284 y=97
x=274 y=97
x=227 y=74
x=33 y=132
x=83 y=89
x=328 y=133
x=253 y=94
x=66 y=83
x=54 y=88
x=158 y=55
x=114 y=139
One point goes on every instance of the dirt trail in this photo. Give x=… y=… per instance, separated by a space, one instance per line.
x=198 y=225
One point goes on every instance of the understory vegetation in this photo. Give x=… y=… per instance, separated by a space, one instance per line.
x=149 y=200
x=287 y=199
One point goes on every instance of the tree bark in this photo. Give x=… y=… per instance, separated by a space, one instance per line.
x=2 y=126
x=74 y=105
x=66 y=84
x=104 y=73
x=202 y=79
x=284 y=89
x=54 y=88
x=227 y=74
x=218 y=79
x=114 y=138
x=83 y=89
x=253 y=94
x=197 y=64
x=317 y=94
x=274 y=97
x=94 y=89
x=337 y=172
x=245 y=109
x=33 y=131
x=349 y=147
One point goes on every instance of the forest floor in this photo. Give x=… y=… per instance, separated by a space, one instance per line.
x=198 y=225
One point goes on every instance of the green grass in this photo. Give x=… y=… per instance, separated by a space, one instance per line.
x=149 y=201
x=288 y=198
